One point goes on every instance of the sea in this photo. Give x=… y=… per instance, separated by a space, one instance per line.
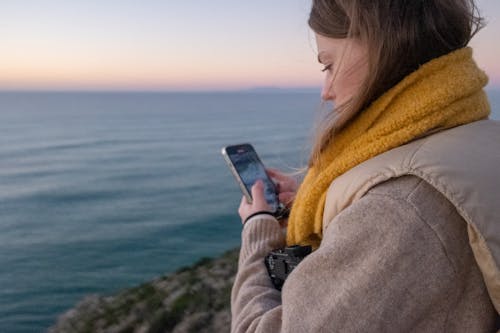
x=101 y=191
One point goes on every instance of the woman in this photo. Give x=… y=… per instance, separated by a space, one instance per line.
x=400 y=200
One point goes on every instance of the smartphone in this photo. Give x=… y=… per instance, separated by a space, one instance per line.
x=247 y=168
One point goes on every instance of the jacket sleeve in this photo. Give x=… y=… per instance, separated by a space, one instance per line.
x=255 y=303
x=380 y=267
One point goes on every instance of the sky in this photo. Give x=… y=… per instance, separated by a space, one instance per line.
x=174 y=45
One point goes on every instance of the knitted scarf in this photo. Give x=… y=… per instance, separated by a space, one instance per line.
x=443 y=93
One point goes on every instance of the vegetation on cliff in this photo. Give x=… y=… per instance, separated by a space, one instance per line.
x=193 y=299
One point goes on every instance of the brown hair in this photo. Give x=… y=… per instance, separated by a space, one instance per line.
x=400 y=35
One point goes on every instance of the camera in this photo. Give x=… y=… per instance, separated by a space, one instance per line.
x=281 y=262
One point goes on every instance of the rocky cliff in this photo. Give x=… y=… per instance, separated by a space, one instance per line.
x=193 y=299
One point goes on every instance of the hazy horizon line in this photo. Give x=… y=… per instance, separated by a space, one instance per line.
x=263 y=89
x=259 y=89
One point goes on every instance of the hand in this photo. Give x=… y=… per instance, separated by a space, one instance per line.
x=258 y=204
x=286 y=186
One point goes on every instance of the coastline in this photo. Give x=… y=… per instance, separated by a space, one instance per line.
x=194 y=298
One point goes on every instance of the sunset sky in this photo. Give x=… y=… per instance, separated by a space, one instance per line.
x=174 y=45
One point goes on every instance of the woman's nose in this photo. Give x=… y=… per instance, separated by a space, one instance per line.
x=326 y=92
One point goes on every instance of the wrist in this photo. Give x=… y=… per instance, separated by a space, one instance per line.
x=261 y=234
x=260 y=212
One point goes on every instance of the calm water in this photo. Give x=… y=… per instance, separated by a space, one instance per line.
x=100 y=192
x=103 y=191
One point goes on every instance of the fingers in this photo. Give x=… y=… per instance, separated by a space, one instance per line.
x=245 y=208
x=259 y=202
x=287 y=198
x=284 y=183
x=258 y=193
x=275 y=173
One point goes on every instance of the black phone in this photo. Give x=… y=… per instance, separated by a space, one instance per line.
x=247 y=168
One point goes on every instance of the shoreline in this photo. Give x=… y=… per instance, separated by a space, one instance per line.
x=194 y=298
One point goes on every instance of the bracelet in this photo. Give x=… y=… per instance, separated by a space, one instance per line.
x=266 y=212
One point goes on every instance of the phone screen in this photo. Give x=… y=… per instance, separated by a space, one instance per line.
x=250 y=168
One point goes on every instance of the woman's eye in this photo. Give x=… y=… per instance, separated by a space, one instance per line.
x=327 y=68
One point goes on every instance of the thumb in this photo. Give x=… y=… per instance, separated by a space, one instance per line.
x=258 y=192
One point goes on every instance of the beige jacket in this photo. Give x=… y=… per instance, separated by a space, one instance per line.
x=395 y=254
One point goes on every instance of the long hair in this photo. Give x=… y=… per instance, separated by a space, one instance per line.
x=400 y=35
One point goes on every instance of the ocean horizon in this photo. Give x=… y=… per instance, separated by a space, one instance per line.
x=101 y=191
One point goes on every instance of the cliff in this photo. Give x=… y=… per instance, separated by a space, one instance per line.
x=193 y=299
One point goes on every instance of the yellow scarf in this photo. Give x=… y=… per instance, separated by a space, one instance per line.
x=443 y=93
